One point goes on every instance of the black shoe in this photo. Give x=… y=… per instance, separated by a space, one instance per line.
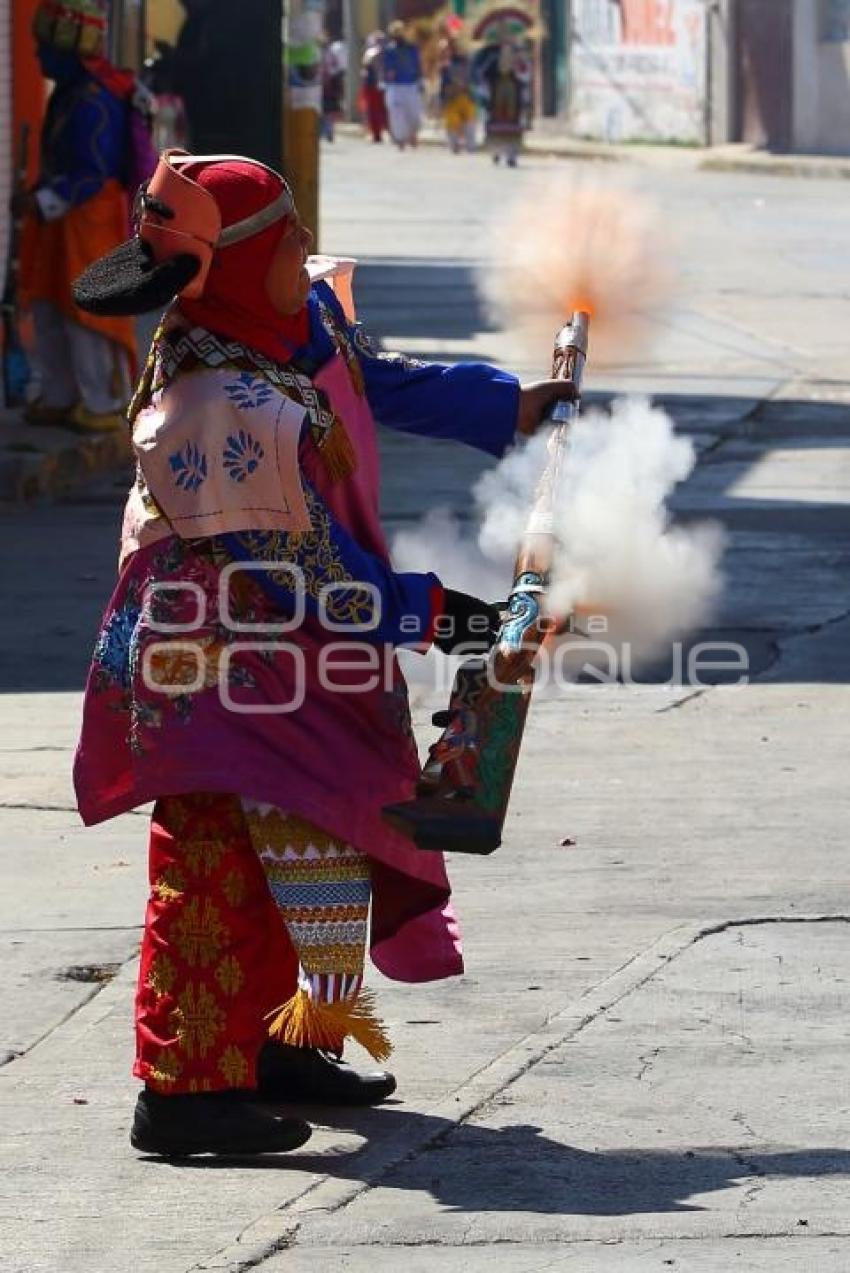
x=285 y=1073
x=212 y=1123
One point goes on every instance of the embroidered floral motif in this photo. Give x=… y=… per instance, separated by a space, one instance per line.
x=162 y=975
x=189 y=467
x=171 y=669
x=249 y=392
x=199 y=933
x=197 y=1020
x=242 y=455
x=170 y=886
x=180 y=351
x=203 y=854
x=233 y=888
x=233 y=1066
x=317 y=556
x=229 y=975
x=166 y=1069
x=112 y=652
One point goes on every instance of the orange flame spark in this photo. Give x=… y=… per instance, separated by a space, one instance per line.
x=569 y=245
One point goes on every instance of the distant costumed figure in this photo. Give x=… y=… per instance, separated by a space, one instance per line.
x=504 y=73
x=333 y=69
x=221 y=686
x=457 y=103
x=372 y=86
x=94 y=146
x=402 y=68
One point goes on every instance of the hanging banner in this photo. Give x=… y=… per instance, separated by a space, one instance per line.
x=638 y=70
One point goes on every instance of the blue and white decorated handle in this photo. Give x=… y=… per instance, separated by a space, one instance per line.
x=525 y=625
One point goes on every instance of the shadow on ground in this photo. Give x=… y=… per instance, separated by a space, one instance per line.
x=517 y=1168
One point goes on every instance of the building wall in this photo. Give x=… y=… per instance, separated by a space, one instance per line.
x=822 y=76
x=638 y=70
x=29 y=89
x=7 y=144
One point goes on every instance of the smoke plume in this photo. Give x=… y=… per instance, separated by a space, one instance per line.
x=618 y=558
x=570 y=243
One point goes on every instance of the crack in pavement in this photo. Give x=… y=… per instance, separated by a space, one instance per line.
x=329 y=1195
x=8 y=1058
x=646 y=1063
x=26 y=806
x=104 y=928
x=682 y=702
x=652 y=1241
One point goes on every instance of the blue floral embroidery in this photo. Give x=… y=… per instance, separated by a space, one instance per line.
x=242 y=455
x=113 y=649
x=249 y=392
x=190 y=467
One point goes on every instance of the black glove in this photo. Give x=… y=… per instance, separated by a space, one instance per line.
x=465 y=621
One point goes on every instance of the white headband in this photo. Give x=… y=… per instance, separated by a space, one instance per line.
x=283 y=206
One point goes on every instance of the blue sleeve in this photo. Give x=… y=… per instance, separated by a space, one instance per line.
x=365 y=599
x=93 y=147
x=469 y=402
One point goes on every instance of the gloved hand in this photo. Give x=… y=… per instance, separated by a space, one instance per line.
x=465 y=621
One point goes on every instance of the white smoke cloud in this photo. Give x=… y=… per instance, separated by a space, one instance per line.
x=618 y=555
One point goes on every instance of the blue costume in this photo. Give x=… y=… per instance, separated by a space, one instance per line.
x=84 y=140
x=402 y=63
x=81 y=213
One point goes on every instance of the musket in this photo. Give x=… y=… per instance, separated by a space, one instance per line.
x=16 y=369
x=463 y=793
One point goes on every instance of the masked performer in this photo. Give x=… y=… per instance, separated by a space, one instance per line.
x=372 y=85
x=402 y=68
x=456 y=100
x=77 y=212
x=504 y=72
x=244 y=676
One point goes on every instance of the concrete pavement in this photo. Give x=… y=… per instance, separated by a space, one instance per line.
x=644 y=1066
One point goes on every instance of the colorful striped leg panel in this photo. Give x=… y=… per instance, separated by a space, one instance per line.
x=322 y=889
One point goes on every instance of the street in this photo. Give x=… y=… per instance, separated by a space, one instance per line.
x=645 y=1064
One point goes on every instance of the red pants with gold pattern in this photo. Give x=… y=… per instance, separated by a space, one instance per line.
x=255 y=916
x=216 y=959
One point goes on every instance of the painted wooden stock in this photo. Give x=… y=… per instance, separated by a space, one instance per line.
x=463 y=793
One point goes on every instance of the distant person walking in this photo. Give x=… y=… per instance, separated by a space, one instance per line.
x=372 y=85
x=504 y=71
x=403 y=79
x=456 y=101
x=334 y=68
x=77 y=211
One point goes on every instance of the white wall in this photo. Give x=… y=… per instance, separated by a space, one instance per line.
x=638 y=70
x=822 y=76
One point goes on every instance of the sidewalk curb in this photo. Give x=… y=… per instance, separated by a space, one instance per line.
x=730 y=158
x=40 y=462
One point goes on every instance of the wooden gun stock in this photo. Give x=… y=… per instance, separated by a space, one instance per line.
x=463 y=793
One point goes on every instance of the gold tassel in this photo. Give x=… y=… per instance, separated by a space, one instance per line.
x=304 y=1023
x=338 y=454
